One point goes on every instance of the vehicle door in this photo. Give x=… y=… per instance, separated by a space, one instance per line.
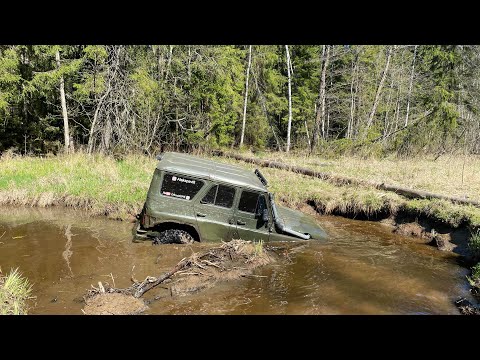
x=249 y=216
x=174 y=200
x=215 y=213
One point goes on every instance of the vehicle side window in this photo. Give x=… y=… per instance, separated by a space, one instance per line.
x=250 y=200
x=210 y=197
x=225 y=195
x=180 y=186
x=220 y=195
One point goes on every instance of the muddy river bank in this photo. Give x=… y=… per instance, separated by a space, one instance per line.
x=362 y=268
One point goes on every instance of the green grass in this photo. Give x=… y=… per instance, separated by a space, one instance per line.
x=474 y=279
x=15 y=290
x=474 y=245
x=476 y=272
x=101 y=184
x=441 y=210
x=258 y=247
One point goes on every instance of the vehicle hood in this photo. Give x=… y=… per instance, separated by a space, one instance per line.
x=298 y=221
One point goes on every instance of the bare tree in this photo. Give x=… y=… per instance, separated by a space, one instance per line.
x=353 y=94
x=320 y=118
x=410 y=85
x=308 y=135
x=323 y=92
x=380 y=87
x=66 y=130
x=265 y=111
x=246 y=94
x=289 y=99
x=112 y=70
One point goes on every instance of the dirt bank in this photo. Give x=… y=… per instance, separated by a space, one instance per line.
x=404 y=222
x=113 y=304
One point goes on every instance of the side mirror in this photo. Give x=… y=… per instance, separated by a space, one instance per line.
x=265 y=215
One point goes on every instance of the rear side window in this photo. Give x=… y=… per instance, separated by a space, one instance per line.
x=220 y=195
x=210 y=197
x=251 y=202
x=180 y=186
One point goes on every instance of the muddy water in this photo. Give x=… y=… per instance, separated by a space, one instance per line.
x=362 y=269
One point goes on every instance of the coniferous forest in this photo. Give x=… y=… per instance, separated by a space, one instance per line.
x=380 y=99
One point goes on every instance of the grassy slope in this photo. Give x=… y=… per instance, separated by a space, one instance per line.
x=295 y=189
x=448 y=175
x=98 y=183
x=117 y=188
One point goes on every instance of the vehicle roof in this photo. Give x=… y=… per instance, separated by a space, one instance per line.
x=213 y=170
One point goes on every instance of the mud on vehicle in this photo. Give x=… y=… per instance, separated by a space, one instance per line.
x=195 y=199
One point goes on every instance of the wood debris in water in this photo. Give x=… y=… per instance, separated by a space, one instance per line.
x=232 y=260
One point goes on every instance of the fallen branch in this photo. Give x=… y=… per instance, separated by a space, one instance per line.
x=143 y=289
x=410 y=193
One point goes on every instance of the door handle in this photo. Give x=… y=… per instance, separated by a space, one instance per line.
x=201 y=214
x=240 y=222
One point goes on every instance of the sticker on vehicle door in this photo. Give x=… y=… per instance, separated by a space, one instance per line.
x=186 y=181
x=180 y=187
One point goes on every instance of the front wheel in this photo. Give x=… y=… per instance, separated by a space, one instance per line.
x=173 y=236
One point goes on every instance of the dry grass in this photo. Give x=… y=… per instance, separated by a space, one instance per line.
x=15 y=290
x=350 y=200
x=453 y=175
x=295 y=190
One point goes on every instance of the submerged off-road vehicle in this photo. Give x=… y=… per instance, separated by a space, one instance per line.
x=195 y=199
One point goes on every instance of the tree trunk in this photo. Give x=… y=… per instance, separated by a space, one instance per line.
x=320 y=118
x=95 y=119
x=316 y=126
x=379 y=89
x=353 y=96
x=246 y=94
x=323 y=92
x=264 y=107
x=397 y=110
x=66 y=131
x=386 y=123
x=289 y=99
x=308 y=136
x=169 y=60
x=410 y=85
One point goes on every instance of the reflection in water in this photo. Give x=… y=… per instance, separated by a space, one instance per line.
x=67 y=254
x=362 y=269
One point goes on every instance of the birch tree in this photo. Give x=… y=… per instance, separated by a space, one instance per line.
x=410 y=85
x=320 y=116
x=379 y=88
x=66 y=130
x=246 y=94
x=289 y=128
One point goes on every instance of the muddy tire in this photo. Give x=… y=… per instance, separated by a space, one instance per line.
x=173 y=236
